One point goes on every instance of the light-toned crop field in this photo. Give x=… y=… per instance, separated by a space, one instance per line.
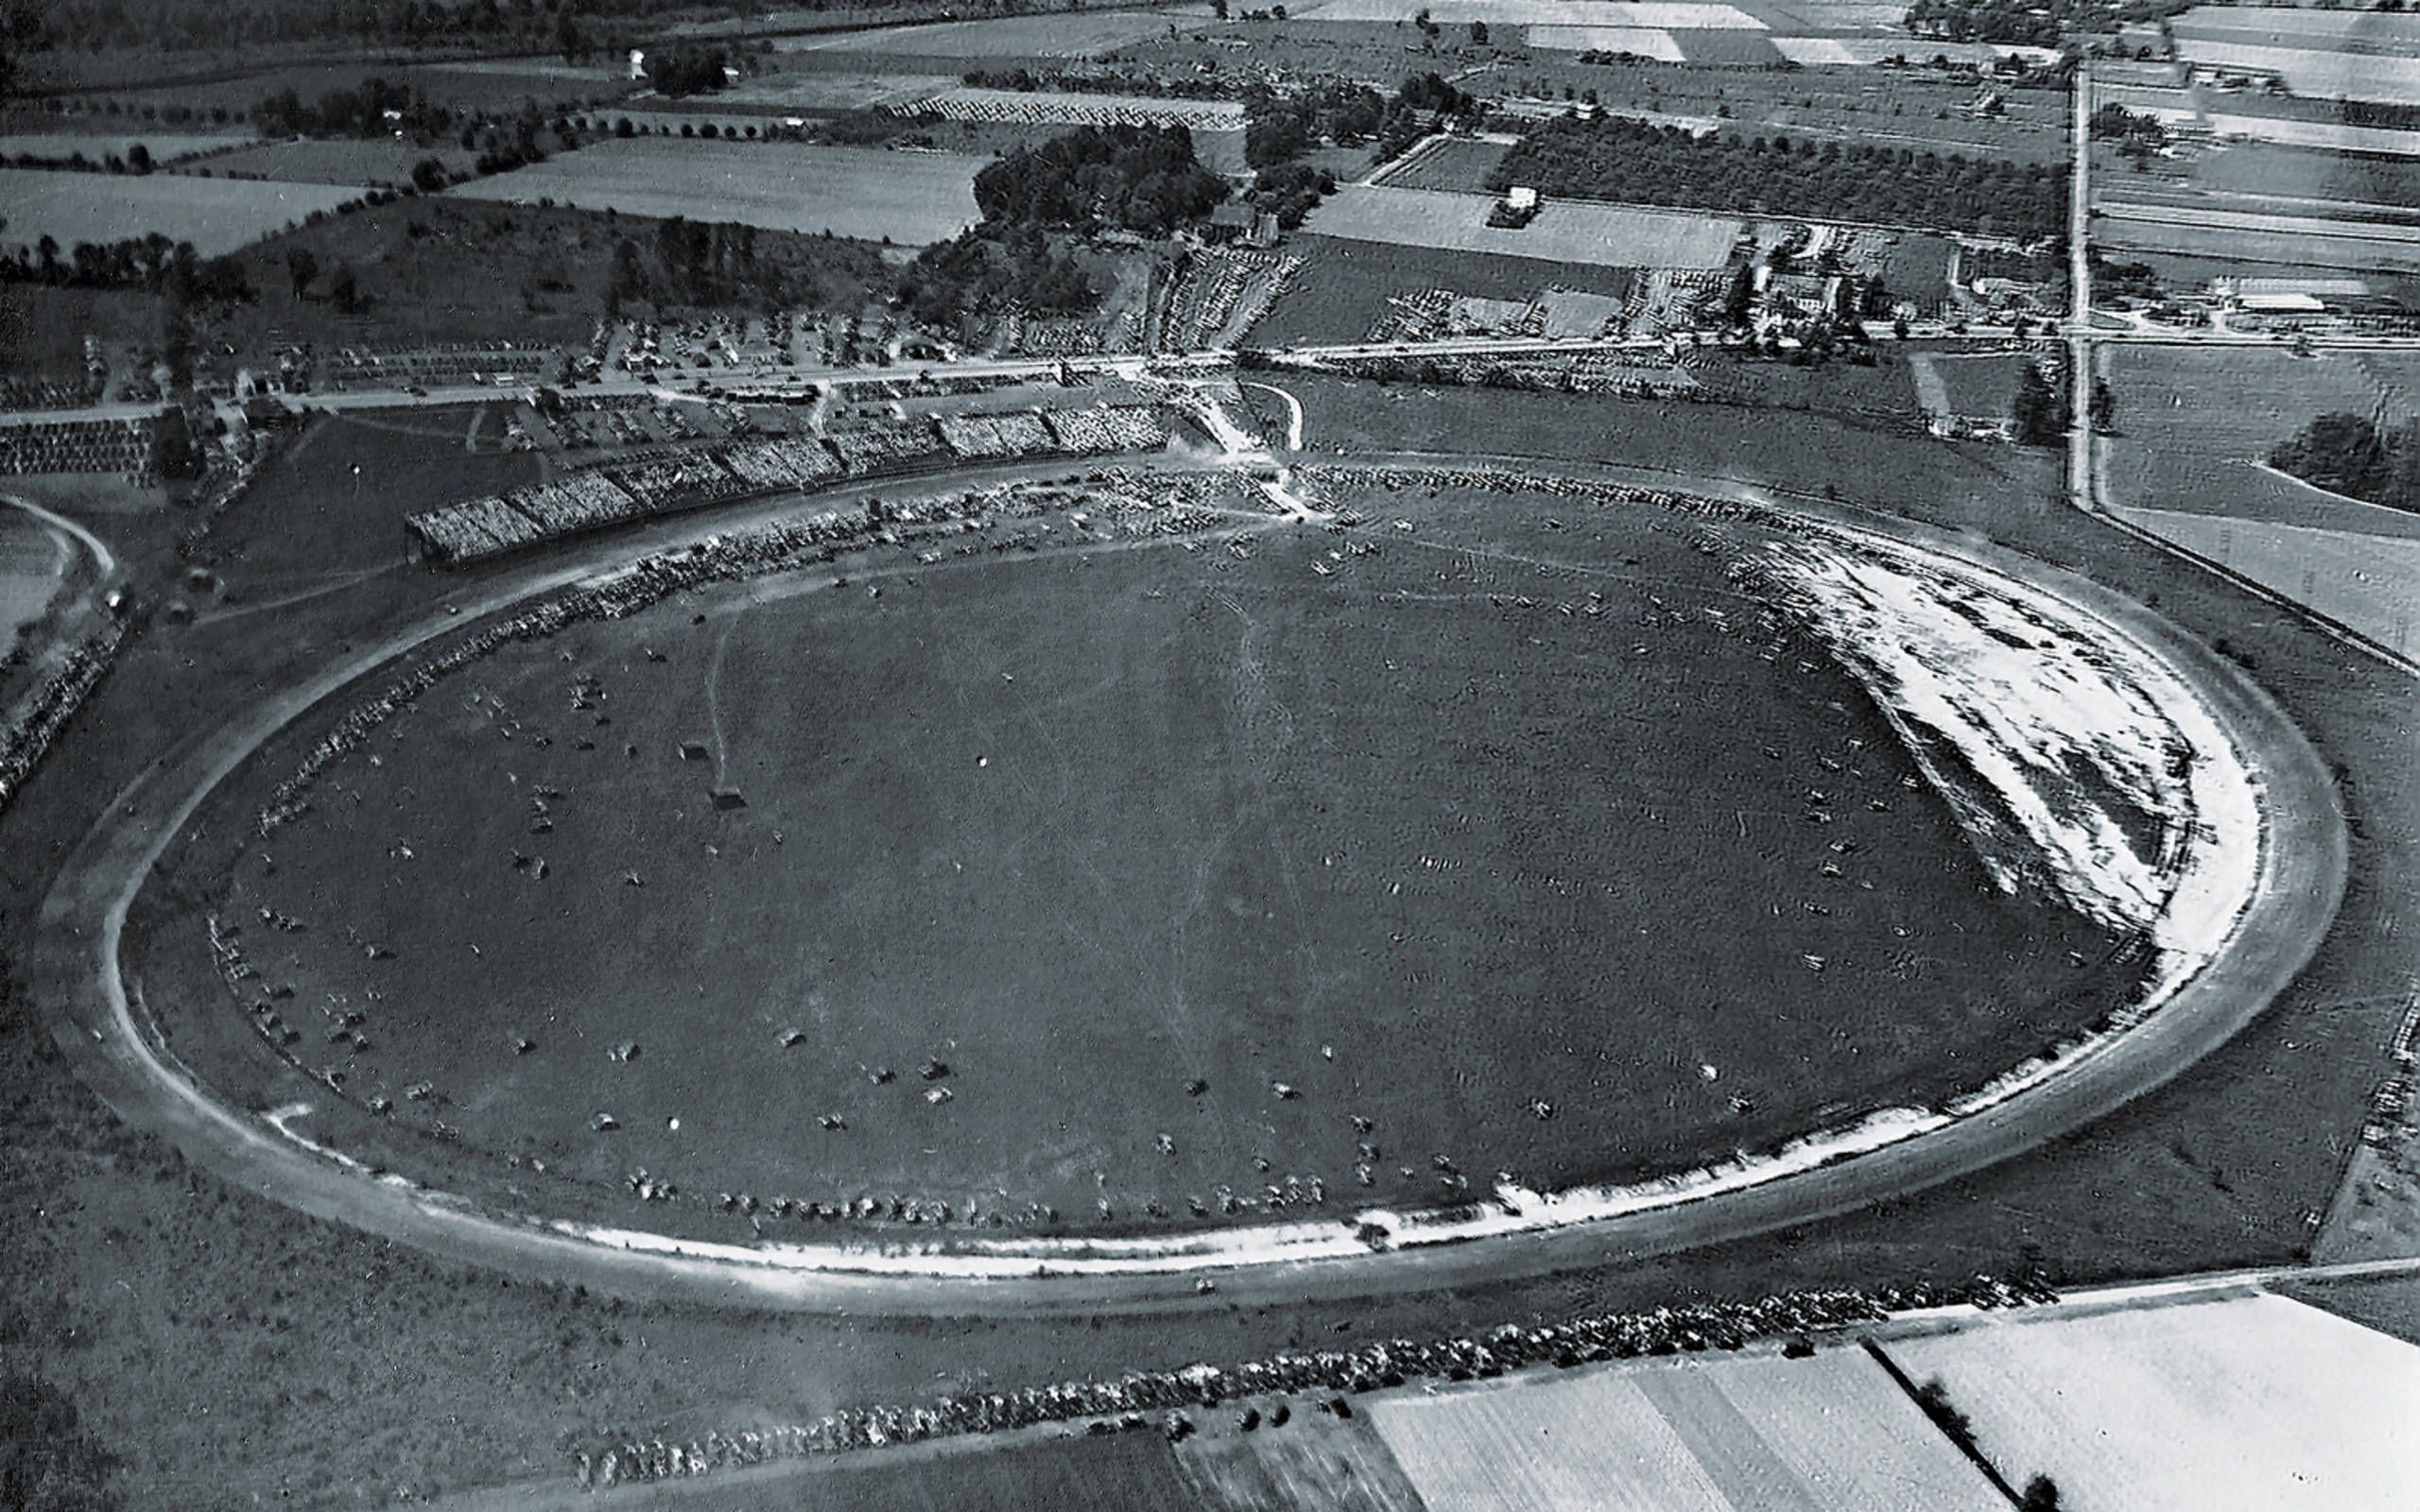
x=1691 y=14
x=218 y=215
x=1081 y=35
x=2332 y=136
x=2257 y=1401
x=164 y=146
x=1647 y=42
x=2312 y=74
x=2368 y=581
x=910 y=197
x=1686 y=1435
x=1841 y=52
x=1567 y=230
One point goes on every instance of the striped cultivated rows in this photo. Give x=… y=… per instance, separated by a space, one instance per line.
x=1762 y=1431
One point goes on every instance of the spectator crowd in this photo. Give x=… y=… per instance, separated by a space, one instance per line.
x=491 y=524
x=1143 y=1400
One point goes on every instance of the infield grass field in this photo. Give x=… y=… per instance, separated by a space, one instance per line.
x=1164 y=867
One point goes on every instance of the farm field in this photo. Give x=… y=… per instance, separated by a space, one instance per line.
x=980 y=872
x=2370 y=582
x=1313 y=1464
x=217 y=216
x=2259 y=175
x=1084 y=34
x=477 y=87
x=1345 y=288
x=96 y=147
x=1759 y=1432
x=1459 y=165
x=2255 y=1402
x=907 y=198
x=831 y=93
x=1120 y=1473
x=1977 y=385
x=2295 y=241
x=376 y=161
x=1567 y=230
x=2192 y=422
x=1699 y=14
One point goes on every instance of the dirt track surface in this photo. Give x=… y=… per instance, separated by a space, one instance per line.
x=75 y=972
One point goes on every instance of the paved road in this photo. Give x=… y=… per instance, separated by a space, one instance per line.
x=75 y=971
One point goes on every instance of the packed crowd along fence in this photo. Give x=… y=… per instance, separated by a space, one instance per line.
x=1147 y=1400
x=37 y=722
x=123 y=446
x=486 y=526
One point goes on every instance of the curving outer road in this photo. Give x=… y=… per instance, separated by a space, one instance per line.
x=74 y=968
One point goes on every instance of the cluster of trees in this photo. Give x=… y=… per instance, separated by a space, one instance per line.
x=344 y=284
x=2041 y=410
x=682 y=71
x=1619 y=158
x=151 y=263
x=502 y=142
x=2136 y=136
x=1141 y=178
x=693 y=263
x=991 y=267
x=357 y=111
x=2028 y=23
x=2350 y=453
x=1290 y=191
x=1281 y=128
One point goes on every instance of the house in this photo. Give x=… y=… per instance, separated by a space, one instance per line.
x=1230 y=222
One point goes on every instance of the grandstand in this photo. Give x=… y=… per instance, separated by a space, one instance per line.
x=493 y=525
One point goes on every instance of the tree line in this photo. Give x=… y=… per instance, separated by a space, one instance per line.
x=2351 y=454
x=1620 y=158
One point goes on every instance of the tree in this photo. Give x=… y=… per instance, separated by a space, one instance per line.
x=301 y=266
x=2041 y=412
x=1478 y=33
x=2345 y=452
x=138 y=158
x=1740 y=302
x=2104 y=406
x=344 y=289
x=2041 y=1495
